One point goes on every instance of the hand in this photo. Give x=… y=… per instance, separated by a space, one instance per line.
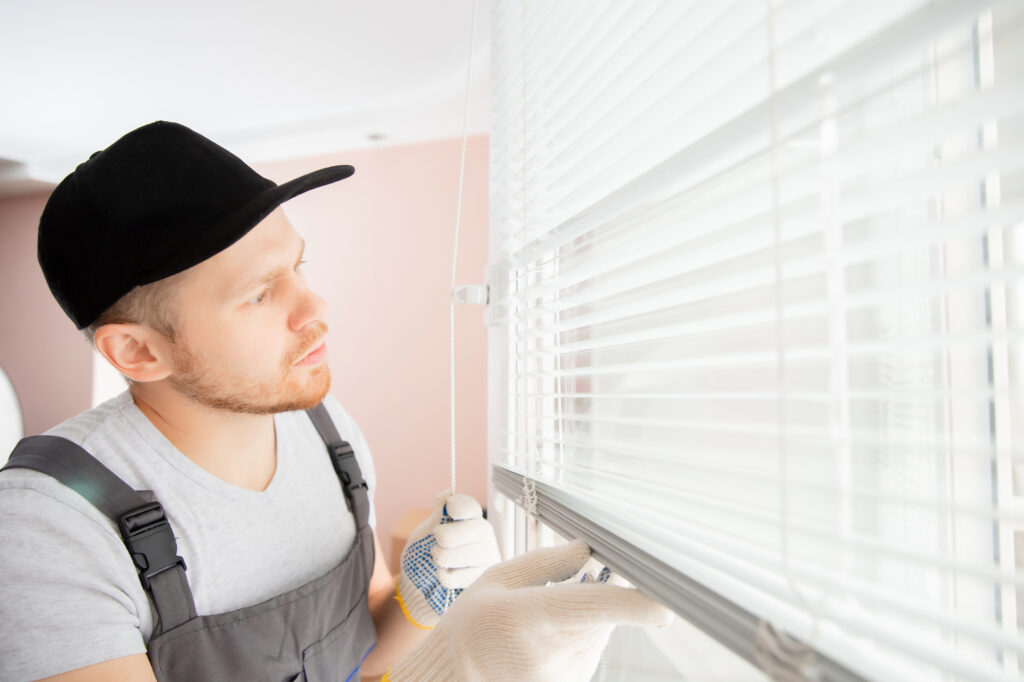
x=510 y=626
x=443 y=556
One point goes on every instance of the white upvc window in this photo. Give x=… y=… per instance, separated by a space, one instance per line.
x=757 y=317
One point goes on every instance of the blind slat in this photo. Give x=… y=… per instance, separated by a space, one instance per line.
x=757 y=277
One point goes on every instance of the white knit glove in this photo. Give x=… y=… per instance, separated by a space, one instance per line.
x=443 y=556
x=510 y=626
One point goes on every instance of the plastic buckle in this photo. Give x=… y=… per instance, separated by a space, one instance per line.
x=150 y=541
x=344 y=460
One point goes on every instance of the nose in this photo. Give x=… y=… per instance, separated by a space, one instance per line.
x=308 y=308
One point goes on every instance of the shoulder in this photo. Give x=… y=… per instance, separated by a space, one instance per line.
x=346 y=425
x=49 y=527
x=43 y=493
x=348 y=429
x=67 y=576
x=113 y=433
x=301 y=428
x=67 y=579
x=32 y=496
x=91 y=425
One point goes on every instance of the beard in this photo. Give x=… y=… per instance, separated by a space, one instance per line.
x=291 y=389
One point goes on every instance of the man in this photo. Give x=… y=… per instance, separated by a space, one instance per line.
x=253 y=555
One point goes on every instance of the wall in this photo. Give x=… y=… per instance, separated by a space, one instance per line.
x=379 y=246
x=48 y=361
x=379 y=249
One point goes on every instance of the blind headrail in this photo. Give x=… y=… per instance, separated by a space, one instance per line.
x=730 y=624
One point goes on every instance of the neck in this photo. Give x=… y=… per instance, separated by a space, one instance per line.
x=240 y=449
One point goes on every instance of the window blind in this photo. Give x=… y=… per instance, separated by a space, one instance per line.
x=756 y=313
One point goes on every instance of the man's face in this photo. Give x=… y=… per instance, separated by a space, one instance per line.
x=250 y=333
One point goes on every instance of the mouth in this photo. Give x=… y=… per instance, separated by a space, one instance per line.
x=317 y=355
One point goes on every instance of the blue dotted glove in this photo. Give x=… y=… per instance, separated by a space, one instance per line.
x=443 y=556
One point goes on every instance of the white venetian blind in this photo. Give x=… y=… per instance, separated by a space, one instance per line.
x=758 y=306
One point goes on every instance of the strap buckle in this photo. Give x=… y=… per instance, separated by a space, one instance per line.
x=344 y=460
x=150 y=541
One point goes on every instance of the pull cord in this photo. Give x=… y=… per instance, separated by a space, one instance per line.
x=455 y=248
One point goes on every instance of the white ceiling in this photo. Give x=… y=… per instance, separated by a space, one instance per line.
x=269 y=79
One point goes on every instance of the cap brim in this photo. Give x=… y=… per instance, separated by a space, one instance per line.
x=232 y=227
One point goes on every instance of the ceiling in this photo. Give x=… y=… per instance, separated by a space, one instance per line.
x=267 y=79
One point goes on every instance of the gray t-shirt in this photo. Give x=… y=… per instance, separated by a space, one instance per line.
x=69 y=593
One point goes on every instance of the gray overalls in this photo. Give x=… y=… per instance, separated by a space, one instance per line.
x=319 y=631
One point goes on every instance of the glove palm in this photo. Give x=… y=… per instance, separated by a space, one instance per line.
x=443 y=556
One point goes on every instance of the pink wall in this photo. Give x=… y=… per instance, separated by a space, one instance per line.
x=379 y=249
x=48 y=361
x=379 y=246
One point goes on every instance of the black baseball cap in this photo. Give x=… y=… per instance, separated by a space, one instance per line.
x=156 y=202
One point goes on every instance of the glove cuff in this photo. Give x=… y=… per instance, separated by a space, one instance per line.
x=414 y=607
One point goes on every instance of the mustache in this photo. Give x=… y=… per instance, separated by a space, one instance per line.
x=312 y=336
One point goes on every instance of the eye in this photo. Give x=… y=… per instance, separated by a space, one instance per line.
x=259 y=298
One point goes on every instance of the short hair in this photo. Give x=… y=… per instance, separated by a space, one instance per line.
x=150 y=304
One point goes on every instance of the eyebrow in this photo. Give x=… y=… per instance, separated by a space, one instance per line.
x=270 y=275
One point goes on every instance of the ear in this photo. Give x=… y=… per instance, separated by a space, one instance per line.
x=137 y=351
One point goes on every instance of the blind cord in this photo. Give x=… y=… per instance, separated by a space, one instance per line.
x=529 y=498
x=455 y=247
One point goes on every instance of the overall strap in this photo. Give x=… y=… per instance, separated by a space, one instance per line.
x=357 y=494
x=141 y=521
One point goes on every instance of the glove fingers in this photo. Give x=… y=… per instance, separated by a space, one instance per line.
x=458 y=533
x=479 y=554
x=460 y=507
x=434 y=520
x=551 y=564
x=459 y=578
x=598 y=604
